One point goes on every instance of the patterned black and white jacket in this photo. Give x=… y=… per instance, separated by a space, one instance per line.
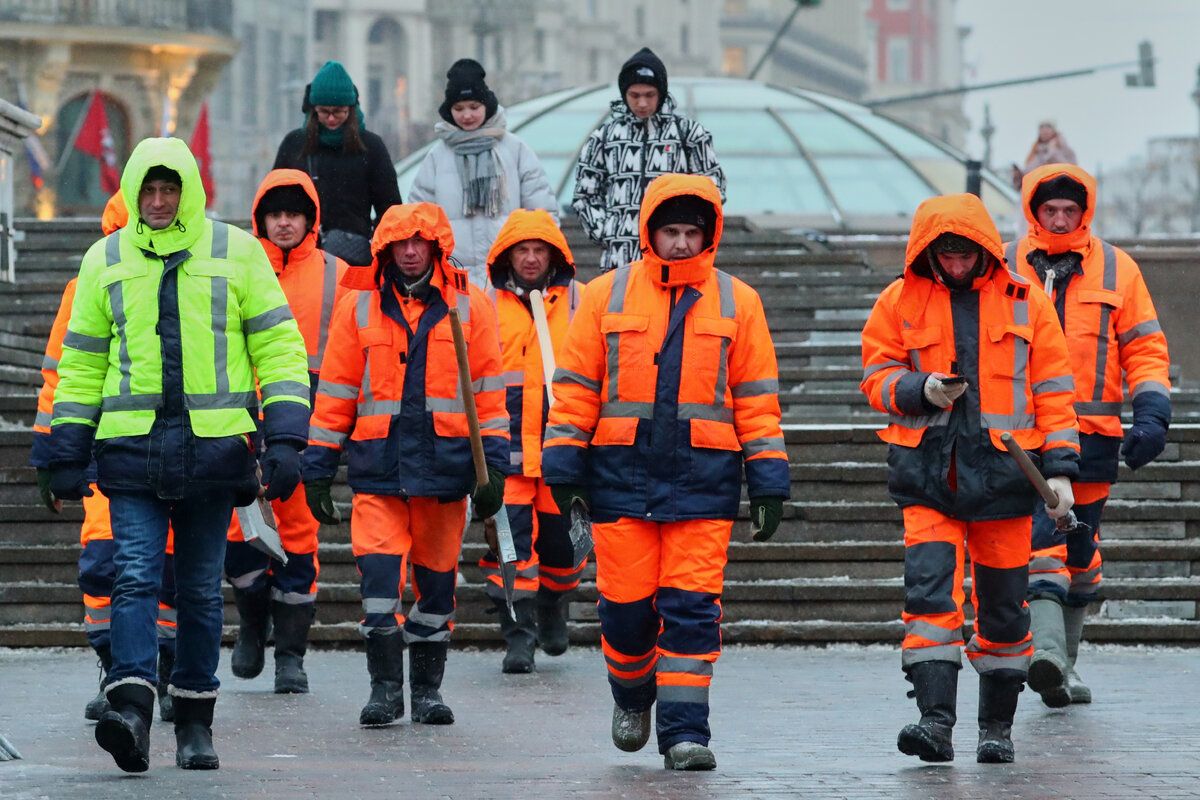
x=618 y=161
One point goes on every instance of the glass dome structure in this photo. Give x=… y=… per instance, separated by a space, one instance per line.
x=804 y=158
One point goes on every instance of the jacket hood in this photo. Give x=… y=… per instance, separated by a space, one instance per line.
x=278 y=178
x=116 y=215
x=189 y=220
x=400 y=222
x=699 y=266
x=963 y=214
x=521 y=225
x=1054 y=243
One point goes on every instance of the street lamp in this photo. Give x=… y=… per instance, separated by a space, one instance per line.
x=1196 y=155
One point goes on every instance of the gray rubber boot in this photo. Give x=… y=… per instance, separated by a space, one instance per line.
x=998 y=692
x=630 y=729
x=1073 y=623
x=520 y=636
x=254 y=612
x=427 y=663
x=292 y=623
x=385 y=663
x=935 y=687
x=96 y=707
x=689 y=756
x=1048 y=669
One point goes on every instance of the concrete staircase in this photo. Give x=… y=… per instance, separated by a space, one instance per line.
x=832 y=573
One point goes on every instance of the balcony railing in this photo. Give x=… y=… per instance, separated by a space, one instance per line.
x=214 y=17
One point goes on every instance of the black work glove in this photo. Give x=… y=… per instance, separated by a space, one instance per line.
x=318 y=494
x=765 y=513
x=43 y=480
x=69 y=482
x=490 y=498
x=565 y=494
x=1143 y=443
x=280 y=471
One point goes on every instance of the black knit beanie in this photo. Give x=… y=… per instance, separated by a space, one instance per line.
x=687 y=209
x=160 y=172
x=644 y=67
x=464 y=81
x=285 y=198
x=1061 y=187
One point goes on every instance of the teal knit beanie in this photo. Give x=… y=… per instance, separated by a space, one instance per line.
x=332 y=87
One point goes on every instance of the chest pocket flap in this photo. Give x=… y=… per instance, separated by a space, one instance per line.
x=623 y=323
x=372 y=337
x=210 y=267
x=708 y=326
x=123 y=271
x=917 y=338
x=1100 y=296
x=996 y=333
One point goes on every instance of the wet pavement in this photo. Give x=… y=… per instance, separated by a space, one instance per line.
x=787 y=722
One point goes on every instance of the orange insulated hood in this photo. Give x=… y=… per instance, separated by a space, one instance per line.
x=116 y=215
x=401 y=222
x=278 y=178
x=1042 y=239
x=688 y=270
x=522 y=225
x=963 y=214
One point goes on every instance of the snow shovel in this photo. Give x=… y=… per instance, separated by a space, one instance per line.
x=503 y=545
x=1068 y=523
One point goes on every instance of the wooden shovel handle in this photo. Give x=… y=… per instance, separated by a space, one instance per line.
x=1031 y=472
x=468 y=398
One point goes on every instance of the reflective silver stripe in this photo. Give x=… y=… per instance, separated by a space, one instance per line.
x=1020 y=358
x=362 y=315
x=1150 y=386
x=722 y=382
x=885 y=389
x=632 y=666
x=616 y=305
x=728 y=304
x=573 y=299
x=76 y=411
x=766 y=386
x=112 y=249
x=339 y=391
x=870 y=370
x=1010 y=255
x=494 y=424
x=516 y=458
x=88 y=344
x=1061 y=383
x=1098 y=409
x=1082 y=582
x=370 y=408
x=766 y=444
x=103 y=625
x=1014 y=648
x=1146 y=328
x=167 y=615
x=430 y=620
x=220 y=240
x=567 y=376
x=116 y=301
x=50 y=363
x=616 y=300
x=1110 y=266
x=716 y=413
x=293 y=598
x=326 y=436
x=489 y=383
x=329 y=292
x=247 y=580
x=284 y=389
x=684 y=666
x=627 y=409
x=631 y=682
x=463 y=304
x=219 y=311
x=1110 y=283
x=934 y=633
x=381 y=605
x=682 y=694
x=988 y=663
x=939 y=652
x=209 y=402
x=132 y=402
x=267 y=319
x=445 y=405
x=1065 y=435
x=42 y=419
x=918 y=421
x=1047 y=564
x=314 y=363
x=567 y=432
x=514 y=377
x=1008 y=422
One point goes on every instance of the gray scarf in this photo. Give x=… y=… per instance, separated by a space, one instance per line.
x=478 y=163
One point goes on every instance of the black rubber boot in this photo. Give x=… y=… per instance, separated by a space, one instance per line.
x=96 y=707
x=249 y=651
x=998 y=693
x=291 y=643
x=427 y=664
x=520 y=636
x=193 y=733
x=124 y=730
x=935 y=687
x=551 y=622
x=166 y=703
x=385 y=663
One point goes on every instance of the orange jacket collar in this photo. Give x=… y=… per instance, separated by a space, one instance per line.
x=522 y=225
x=275 y=179
x=1053 y=243
x=403 y=222
x=689 y=270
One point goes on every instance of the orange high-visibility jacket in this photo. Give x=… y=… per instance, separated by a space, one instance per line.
x=1000 y=334
x=310 y=277
x=1112 y=329
x=389 y=389
x=667 y=386
x=524 y=374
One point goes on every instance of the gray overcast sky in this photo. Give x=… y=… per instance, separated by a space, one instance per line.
x=1102 y=120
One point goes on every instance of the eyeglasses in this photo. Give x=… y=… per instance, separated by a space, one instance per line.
x=332 y=111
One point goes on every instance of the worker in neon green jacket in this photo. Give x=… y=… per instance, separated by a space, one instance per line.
x=174 y=315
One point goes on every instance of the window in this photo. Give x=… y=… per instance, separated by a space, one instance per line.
x=325 y=26
x=276 y=97
x=248 y=58
x=898 y=58
x=733 y=61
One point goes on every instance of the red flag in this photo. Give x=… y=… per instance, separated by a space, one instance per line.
x=200 y=149
x=95 y=139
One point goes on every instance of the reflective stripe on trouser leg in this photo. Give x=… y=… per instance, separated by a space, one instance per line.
x=96 y=573
x=627 y=568
x=380 y=540
x=1084 y=560
x=246 y=568
x=933 y=593
x=1048 y=576
x=295 y=583
x=999 y=552
x=518 y=502
x=694 y=554
x=558 y=570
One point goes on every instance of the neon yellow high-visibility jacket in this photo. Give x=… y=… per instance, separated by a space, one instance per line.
x=167 y=331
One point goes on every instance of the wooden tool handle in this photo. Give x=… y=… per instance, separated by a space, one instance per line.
x=545 y=343
x=1031 y=472
x=468 y=398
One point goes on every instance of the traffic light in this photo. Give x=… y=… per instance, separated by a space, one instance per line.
x=1144 y=77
